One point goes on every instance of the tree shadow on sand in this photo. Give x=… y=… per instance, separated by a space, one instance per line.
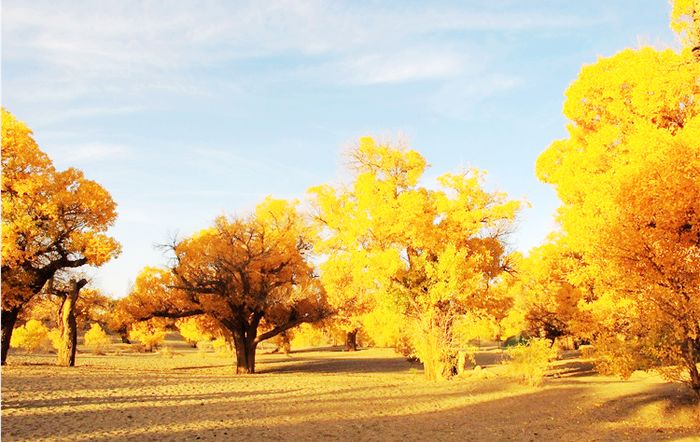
x=511 y=418
x=338 y=365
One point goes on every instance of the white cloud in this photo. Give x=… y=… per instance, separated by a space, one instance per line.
x=416 y=64
x=127 y=49
x=87 y=153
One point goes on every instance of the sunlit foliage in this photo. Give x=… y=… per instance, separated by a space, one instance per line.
x=31 y=336
x=150 y=334
x=197 y=329
x=96 y=340
x=627 y=175
x=528 y=362
x=245 y=273
x=545 y=302
x=432 y=254
x=51 y=220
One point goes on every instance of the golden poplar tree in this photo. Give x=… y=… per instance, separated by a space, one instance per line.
x=249 y=274
x=430 y=254
x=628 y=178
x=545 y=303
x=52 y=220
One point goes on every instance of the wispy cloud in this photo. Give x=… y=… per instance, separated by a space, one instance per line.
x=87 y=153
x=412 y=65
x=129 y=49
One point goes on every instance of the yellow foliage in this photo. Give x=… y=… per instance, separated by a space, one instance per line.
x=31 y=336
x=685 y=20
x=149 y=333
x=196 y=329
x=528 y=363
x=51 y=220
x=545 y=300
x=96 y=339
x=307 y=335
x=430 y=255
x=627 y=175
x=222 y=346
x=244 y=273
x=54 y=336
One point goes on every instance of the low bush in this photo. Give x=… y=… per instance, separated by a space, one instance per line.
x=97 y=340
x=31 y=336
x=528 y=362
x=149 y=334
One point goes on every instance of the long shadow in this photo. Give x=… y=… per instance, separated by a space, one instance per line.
x=123 y=399
x=72 y=380
x=672 y=397
x=339 y=365
x=330 y=348
x=573 y=369
x=550 y=414
x=202 y=367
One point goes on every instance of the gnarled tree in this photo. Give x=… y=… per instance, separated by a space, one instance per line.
x=246 y=273
x=52 y=220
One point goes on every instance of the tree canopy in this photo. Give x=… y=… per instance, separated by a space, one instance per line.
x=432 y=254
x=627 y=175
x=244 y=272
x=52 y=220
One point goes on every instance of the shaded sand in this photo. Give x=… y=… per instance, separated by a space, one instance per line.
x=327 y=395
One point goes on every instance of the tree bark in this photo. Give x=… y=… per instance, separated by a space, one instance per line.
x=692 y=362
x=124 y=336
x=9 y=318
x=68 y=326
x=245 y=353
x=351 y=340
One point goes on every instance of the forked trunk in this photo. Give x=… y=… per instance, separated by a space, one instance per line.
x=351 y=341
x=9 y=318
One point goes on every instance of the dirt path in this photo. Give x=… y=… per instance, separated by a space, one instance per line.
x=324 y=395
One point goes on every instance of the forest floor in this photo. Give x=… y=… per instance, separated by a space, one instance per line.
x=326 y=394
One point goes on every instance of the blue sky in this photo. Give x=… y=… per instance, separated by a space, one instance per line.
x=186 y=110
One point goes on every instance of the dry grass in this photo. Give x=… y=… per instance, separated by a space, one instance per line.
x=327 y=395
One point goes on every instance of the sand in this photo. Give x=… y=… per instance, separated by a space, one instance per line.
x=323 y=394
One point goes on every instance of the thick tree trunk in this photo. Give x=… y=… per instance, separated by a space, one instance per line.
x=691 y=358
x=68 y=329
x=9 y=318
x=67 y=324
x=351 y=341
x=124 y=336
x=245 y=353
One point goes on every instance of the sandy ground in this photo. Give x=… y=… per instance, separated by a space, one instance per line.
x=327 y=395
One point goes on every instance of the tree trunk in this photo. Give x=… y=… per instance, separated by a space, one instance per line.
x=9 y=318
x=124 y=336
x=245 y=353
x=68 y=326
x=68 y=332
x=351 y=341
x=691 y=358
